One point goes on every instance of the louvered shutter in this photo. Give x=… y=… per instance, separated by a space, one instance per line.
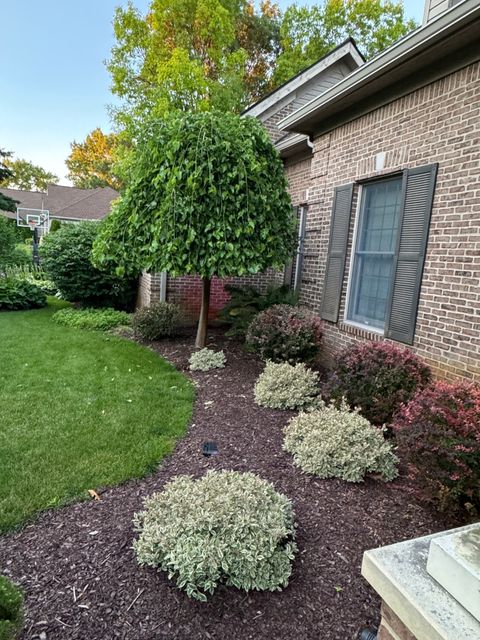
x=337 y=252
x=417 y=199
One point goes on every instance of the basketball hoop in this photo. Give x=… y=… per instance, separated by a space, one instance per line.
x=33 y=218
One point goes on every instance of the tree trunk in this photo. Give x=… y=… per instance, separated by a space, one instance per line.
x=203 y=320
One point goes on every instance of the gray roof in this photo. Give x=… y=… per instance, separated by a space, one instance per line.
x=68 y=203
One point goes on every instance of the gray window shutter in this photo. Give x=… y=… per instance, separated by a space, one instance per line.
x=418 y=189
x=337 y=252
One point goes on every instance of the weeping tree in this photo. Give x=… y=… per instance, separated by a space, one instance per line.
x=207 y=196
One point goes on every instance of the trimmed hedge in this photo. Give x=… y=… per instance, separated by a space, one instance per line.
x=160 y=320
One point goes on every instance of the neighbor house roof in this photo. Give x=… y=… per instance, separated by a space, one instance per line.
x=66 y=203
x=441 y=46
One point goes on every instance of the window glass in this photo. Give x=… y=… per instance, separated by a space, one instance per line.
x=374 y=252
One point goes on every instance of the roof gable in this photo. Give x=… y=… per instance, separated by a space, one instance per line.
x=322 y=74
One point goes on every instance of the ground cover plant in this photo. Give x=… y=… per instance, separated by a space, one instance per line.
x=438 y=431
x=157 y=321
x=11 y=609
x=80 y=410
x=35 y=275
x=286 y=386
x=283 y=333
x=99 y=319
x=338 y=443
x=66 y=258
x=377 y=377
x=246 y=302
x=17 y=293
x=224 y=528
x=207 y=359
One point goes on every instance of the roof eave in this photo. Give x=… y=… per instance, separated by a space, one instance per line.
x=398 y=69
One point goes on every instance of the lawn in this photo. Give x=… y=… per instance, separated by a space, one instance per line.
x=79 y=410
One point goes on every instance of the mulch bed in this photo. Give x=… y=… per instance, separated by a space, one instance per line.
x=81 y=579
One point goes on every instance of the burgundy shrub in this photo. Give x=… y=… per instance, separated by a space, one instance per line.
x=377 y=377
x=438 y=431
x=283 y=333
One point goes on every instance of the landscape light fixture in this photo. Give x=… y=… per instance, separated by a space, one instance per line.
x=210 y=449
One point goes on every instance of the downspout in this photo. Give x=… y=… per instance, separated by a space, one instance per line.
x=163 y=286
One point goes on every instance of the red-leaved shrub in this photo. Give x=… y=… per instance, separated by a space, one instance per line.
x=438 y=431
x=377 y=377
x=283 y=333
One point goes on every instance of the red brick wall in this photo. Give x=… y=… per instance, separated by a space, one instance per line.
x=438 y=123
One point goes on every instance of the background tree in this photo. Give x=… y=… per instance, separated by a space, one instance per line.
x=192 y=55
x=207 y=196
x=6 y=203
x=91 y=163
x=307 y=33
x=26 y=175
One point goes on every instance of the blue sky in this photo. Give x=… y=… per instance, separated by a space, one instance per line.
x=55 y=88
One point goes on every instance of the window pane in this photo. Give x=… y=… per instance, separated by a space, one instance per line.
x=373 y=259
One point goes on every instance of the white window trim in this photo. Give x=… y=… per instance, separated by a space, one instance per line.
x=356 y=228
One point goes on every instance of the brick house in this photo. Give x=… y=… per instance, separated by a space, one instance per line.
x=384 y=169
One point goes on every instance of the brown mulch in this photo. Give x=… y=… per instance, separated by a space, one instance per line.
x=81 y=579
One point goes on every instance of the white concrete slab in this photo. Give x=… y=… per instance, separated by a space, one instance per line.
x=399 y=575
x=454 y=562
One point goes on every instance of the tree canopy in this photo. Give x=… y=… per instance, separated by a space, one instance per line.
x=90 y=163
x=191 y=54
x=309 y=32
x=207 y=196
x=225 y=54
x=26 y=175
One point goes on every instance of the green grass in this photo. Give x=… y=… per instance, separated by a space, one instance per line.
x=79 y=410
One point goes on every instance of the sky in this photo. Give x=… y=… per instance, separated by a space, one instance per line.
x=55 y=88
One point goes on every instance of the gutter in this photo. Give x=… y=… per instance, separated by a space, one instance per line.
x=403 y=52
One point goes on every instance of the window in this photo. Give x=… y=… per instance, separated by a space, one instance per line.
x=374 y=252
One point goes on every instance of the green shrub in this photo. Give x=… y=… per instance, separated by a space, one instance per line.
x=160 y=320
x=246 y=302
x=99 y=319
x=16 y=294
x=35 y=275
x=11 y=609
x=377 y=377
x=224 y=528
x=207 y=359
x=10 y=252
x=283 y=333
x=65 y=256
x=55 y=225
x=336 y=443
x=286 y=386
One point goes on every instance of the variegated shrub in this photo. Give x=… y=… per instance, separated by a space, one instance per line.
x=207 y=359
x=286 y=386
x=224 y=528
x=338 y=443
